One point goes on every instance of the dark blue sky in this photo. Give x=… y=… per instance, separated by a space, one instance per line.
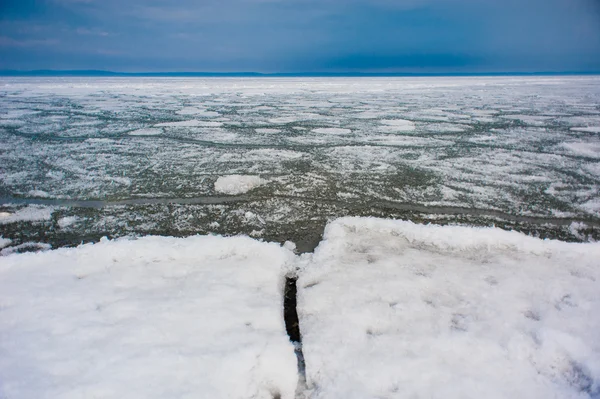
x=301 y=35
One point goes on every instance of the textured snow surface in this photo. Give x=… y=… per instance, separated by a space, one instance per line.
x=156 y=317
x=390 y=309
x=237 y=184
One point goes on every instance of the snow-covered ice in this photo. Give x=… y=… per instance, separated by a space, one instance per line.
x=146 y=132
x=400 y=125
x=387 y=309
x=31 y=213
x=156 y=317
x=237 y=184
x=391 y=309
x=332 y=130
x=4 y=242
x=590 y=129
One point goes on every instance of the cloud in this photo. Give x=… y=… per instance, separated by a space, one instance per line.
x=284 y=35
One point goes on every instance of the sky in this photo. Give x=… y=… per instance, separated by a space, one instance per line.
x=428 y=36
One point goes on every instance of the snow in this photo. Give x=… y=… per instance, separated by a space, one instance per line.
x=4 y=242
x=237 y=184
x=157 y=317
x=387 y=308
x=591 y=150
x=331 y=130
x=67 y=221
x=190 y=123
x=400 y=125
x=31 y=213
x=397 y=310
x=592 y=206
x=146 y=132
x=198 y=112
x=267 y=130
x=590 y=129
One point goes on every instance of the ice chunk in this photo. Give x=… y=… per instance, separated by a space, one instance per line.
x=157 y=317
x=237 y=184
x=398 y=310
x=67 y=221
x=31 y=213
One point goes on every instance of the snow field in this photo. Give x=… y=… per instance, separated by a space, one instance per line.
x=387 y=309
x=157 y=317
x=390 y=309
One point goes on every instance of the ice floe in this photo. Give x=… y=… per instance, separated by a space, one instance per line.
x=237 y=184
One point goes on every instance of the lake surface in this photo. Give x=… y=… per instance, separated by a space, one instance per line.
x=81 y=158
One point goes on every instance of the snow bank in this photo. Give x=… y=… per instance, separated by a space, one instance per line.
x=397 y=310
x=157 y=317
x=237 y=184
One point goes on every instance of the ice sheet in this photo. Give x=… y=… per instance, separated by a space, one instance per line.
x=397 y=310
x=156 y=317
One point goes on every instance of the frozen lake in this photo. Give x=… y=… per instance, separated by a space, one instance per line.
x=384 y=308
x=142 y=156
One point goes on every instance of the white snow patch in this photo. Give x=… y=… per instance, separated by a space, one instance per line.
x=590 y=129
x=592 y=206
x=31 y=213
x=4 y=242
x=331 y=130
x=238 y=184
x=398 y=310
x=591 y=150
x=38 y=194
x=146 y=132
x=190 y=123
x=283 y=120
x=198 y=112
x=67 y=221
x=157 y=317
x=446 y=128
x=401 y=125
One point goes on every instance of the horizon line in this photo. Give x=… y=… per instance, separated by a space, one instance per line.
x=107 y=73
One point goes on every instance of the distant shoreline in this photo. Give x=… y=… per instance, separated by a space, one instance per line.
x=99 y=73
